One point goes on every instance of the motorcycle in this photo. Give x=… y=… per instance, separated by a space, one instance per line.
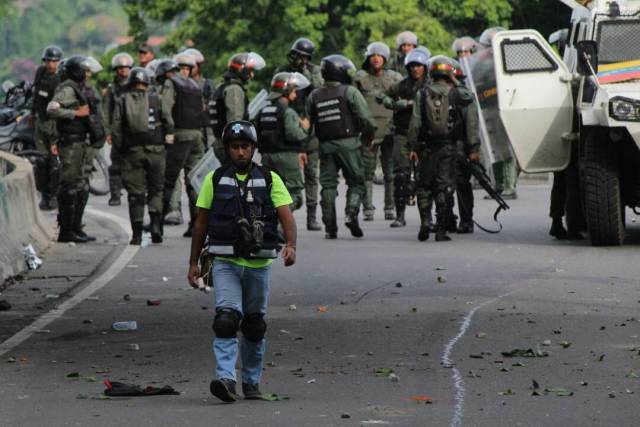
x=17 y=135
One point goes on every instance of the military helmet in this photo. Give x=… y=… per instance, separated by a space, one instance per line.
x=185 y=59
x=406 y=37
x=139 y=75
x=441 y=66
x=165 y=66
x=376 y=48
x=416 y=56
x=284 y=83
x=152 y=66
x=94 y=65
x=244 y=63
x=458 y=71
x=337 y=68
x=464 y=44
x=239 y=130
x=487 y=35
x=122 y=59
x=52 y=53
x=197 y=55
x=76 y=68
x=304 y=47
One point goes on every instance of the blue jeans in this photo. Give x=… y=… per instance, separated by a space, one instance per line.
x=245 y=290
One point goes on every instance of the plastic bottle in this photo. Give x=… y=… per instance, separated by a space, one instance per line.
x=131 y=325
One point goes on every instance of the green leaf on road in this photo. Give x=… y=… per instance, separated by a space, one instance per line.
x=383 y=372
x=507 y=392
x=518 y=352
x=272 y=397
x=565 y=344
x=559 y=391
x=632 y=374
x=73 y=375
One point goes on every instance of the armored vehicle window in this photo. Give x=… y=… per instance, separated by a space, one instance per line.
x=525 y=56
x=618 y=41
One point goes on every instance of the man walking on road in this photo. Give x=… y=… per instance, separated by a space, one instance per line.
x=239 y=207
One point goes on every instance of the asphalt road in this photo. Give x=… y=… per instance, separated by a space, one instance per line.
x=439 y=315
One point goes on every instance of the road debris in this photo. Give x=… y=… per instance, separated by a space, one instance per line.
x=115 y=388
x=131 y=325
x=31 y=259
x=4 y=305
x=518 y=352
x=273 y=397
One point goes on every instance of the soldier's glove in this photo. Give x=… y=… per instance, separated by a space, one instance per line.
x=380 y=98
x=170 y=139
x=403 y=104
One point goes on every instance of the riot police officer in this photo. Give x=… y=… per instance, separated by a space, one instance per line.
x=121 y=64
x=340 y=117
x=468 y=147
x=282 y=134
x=406 y=41
x=138 y=134
x=45 y=83
x=399 y=98
x=372 y=81
x=300 y=56
x=183 y=97
x=229 y=102
x=72 y=112
x=436 y=123
x=146 y=54
x=464 y=46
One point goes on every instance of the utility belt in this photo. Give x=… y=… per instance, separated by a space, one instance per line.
x=435 y=145
x=70 y=139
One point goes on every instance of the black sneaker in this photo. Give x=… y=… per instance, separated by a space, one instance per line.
x=351 y=222
x=224 y=389
x=251 y=391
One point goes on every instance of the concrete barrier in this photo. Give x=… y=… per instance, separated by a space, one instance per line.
x=21 y=222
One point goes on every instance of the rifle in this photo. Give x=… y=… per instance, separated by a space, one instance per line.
x=480 y=173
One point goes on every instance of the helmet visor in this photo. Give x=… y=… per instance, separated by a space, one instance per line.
x=93 y=64
x=255 y=61
x=299 y=81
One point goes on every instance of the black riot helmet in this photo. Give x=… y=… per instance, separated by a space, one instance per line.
x=303 y=47
x=164 y=67
x=76 y=67
x=239 y=130
x=337 y=68
x=139 y=75
x=52 y=53
x=441 y=66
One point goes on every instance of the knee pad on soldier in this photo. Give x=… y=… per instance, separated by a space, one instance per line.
x=254 y=327
x=136 y=199
x=226 y=323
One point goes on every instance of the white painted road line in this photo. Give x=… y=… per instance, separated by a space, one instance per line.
x=42 y=321
x=458 y=382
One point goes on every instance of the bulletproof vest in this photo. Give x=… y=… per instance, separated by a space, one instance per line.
x=333 y=117
x=114 y=91
x=234 y=199
x=142 y=122
x=371 y=86
x=217 y=110
x=74 y=130
x=187 y=110
x=270 y=123
x=402 y=118
x=440 y=113
x=43 y=89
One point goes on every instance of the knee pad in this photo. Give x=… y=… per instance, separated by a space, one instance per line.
x=226 y=323
x=254 y=327
x=136 y=199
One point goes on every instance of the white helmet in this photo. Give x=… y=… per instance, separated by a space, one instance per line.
x=406 y=37
x=185 y=58
x=122 y=59
x=199 y=57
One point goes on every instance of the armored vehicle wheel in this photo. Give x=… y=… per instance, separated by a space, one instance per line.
x=601 y=184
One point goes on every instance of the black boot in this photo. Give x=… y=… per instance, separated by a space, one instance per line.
x=330 y=225
x=136 y=238
x=400 y=221
x=66 y=218
x=351 y=222
x=192 y=214
x=44 y=203
x=81 y=203
x=115 y=186
x=442 y=225
x=557 y=229
x=312 y=222
x=156 y=228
